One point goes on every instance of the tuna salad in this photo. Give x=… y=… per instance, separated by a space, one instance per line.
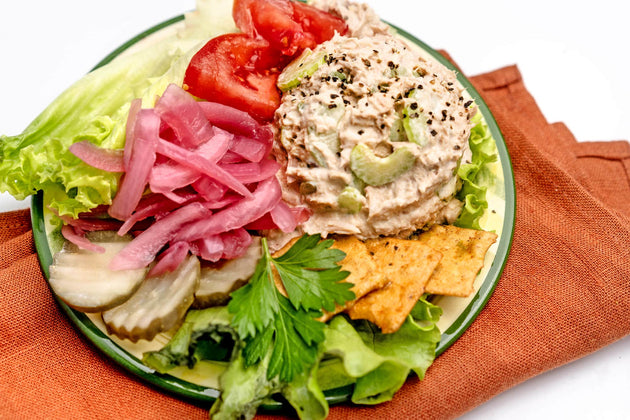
x=371 y=133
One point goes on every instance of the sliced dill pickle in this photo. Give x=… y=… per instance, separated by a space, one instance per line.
x=374 y=170
x=159 y=304
x=305 y=65
x=216 y=284
x=83 y=280
x=350 y=199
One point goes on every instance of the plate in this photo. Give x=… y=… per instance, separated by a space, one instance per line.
x=459 y=313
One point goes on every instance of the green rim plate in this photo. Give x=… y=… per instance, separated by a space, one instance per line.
x=200 y=394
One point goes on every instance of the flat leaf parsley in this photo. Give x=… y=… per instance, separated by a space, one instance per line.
x=267 y=320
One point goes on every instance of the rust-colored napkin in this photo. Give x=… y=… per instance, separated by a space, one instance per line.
x=565 y=292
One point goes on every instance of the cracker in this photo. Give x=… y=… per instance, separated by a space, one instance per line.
x=362 y=268
x=363 y=271
x=407 y=265
x=463 y=253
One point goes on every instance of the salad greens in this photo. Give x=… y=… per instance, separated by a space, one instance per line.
x=353 y=352
x=95 y=109
x=287 y=325
x=204 y=335
x=344 y=351
x=477 y=175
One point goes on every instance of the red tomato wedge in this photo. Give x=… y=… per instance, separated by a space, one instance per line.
x=273 y=21
x=322 y=25
x=289 y=26
x=239 y=71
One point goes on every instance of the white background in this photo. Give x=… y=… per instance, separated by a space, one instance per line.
x=573 y=55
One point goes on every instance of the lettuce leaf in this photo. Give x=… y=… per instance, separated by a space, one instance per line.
x=243 y=388
x=477 y=176
x=380 y=363
x=95 y=109
x=305 y=395
x=355 y=352
x=204 y=335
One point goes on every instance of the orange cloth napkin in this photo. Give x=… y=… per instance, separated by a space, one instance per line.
x=565 y=292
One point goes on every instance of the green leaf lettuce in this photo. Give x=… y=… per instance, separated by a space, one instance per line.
x=477 y=176
x=380 y=363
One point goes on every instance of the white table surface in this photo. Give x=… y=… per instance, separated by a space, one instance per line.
x=573 y=55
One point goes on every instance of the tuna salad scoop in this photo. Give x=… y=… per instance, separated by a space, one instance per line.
x=371 y=136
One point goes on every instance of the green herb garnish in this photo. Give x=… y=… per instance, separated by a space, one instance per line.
x=265 y=318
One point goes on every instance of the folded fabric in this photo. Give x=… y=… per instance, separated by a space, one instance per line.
x=564 y=292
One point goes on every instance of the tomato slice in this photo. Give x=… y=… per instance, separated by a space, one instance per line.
x=239 y=71
x=322 y=25
x=242 y=15
x=289 y=26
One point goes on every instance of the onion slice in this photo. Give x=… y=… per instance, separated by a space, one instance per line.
x=210 y=248
x=230 y=119
x=170 y=259
x=134 y=108
x=250 y=172
x=235 y=243
x=250 y=149
x=110 y=160
x=77 y=237
x=201 y=164
x=150 y=206
x=182 y=113
x=265 y=197
x=134 y=181
x=143 y=249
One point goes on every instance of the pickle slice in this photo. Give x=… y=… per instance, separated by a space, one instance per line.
x=159 y=304
x=83 y=280
x=376 y=171
x=216 y=284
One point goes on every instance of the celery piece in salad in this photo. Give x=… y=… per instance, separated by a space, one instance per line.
x=351 y=199
x=415 y=124
x=374 y=170
x=95 y=108
x=303 y=66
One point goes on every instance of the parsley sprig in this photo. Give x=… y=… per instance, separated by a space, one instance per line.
x=287 y=326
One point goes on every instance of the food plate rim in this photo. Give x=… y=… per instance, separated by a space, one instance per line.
x=201 y=394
